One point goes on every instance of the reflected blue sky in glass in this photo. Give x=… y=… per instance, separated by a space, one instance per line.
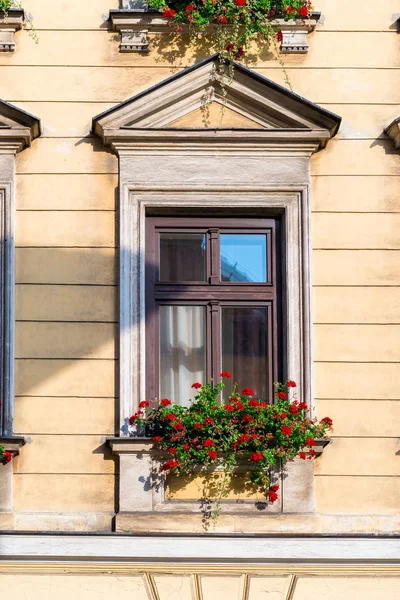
x=244 y=257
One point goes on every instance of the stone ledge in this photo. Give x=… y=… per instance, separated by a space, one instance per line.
x=393 y=131
x=133 y=25
x=12 y=443
x=10 y=23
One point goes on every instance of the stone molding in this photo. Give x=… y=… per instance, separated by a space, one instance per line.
x=134 y=24
x=10 y=23
x=393 y=131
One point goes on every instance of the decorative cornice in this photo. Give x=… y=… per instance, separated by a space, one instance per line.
x=10 y=22
x=13 y=443
x=393 y=131
x=17 y=128
x=133 y=25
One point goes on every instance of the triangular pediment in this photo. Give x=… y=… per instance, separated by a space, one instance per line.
x=186 y=100
x=17 y=126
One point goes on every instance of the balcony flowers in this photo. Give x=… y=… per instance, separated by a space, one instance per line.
x=5 y=457
x=239 y=429
x=233 y=23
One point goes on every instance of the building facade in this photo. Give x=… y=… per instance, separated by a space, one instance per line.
x=111 y=152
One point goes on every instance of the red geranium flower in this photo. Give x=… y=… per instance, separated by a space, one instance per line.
x=222 y=19
x=303 y=12
x=196 y=385
x=279 y=36
x=312 y=452
x=256 y=456
x=190 y=8
x=247 y=419
x=286 y=430
x=283 y=415
x=212 y=454
x=165 y=402
x=230 y=47
x=303 y=455
x=272 y=497
x=254 y=436
x=263 y=404
x=7 y=457
x=293 y=409
x=327 y=421
x=239 y=406
x=198 y=426
x=303 y=406
x=172 y=450
x=310 y=442
x=208 y=421
x=229 y=407
x=247 y=392
x=225 y=374
x=169 y=13
x=291 y=383
x=178 y=427
x=170 y=417
x=186 y=447
x=209 y=443
x=274 y=488
x=254 y=403
x=157 y=439
x=240 y=2
x=281 y=395
x=242 y=439
x=144 y=404
x=172 y=463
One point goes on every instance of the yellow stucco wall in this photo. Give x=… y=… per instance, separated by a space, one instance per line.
x=66 y=295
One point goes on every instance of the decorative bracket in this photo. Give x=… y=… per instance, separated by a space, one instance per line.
x=10 y=22
x=134 y=23
x=393 y=131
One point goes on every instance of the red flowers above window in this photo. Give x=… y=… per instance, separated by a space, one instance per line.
x=144 y=404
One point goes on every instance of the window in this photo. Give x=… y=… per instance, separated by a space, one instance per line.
x=212 y=288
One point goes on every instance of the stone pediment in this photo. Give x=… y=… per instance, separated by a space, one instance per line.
x=179 y=107
x=17 y=127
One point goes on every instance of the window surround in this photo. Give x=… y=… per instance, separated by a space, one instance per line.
x=167 y=169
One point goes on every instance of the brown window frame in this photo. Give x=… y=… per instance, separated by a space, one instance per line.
x=213 y=292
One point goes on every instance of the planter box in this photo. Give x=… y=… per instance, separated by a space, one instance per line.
x=135 y=21
x=169 y=499
x=9 y=24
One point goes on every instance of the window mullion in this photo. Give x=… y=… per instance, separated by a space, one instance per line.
x=214 y=256
x=214 y=341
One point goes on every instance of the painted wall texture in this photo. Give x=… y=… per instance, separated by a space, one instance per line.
x=66 y=269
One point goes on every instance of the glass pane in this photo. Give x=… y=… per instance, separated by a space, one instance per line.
x=182 y=257
x=245 y=348
x=182 y=351
x=244 y=257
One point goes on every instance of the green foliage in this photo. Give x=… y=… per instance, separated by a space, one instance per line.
x=225 y=434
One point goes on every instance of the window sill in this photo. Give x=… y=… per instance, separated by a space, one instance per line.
x=143 y=491
x=134 y=25
x=8 y=26
x=11 y=444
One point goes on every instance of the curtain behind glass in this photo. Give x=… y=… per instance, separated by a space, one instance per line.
x=182 y=351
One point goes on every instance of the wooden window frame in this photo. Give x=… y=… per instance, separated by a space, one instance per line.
x=213 y=293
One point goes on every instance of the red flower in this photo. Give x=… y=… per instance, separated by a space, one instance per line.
x=286 y=430
x=240 y=52
x=310 y=442
x=169 y=13
x=312 y=452
x=293 y=409
x=223 y=19
x=303 y=455
x=247 y=392
x=239 y=406
x=230 y=47
x=208 y=421
x=247 y=419
x=272 y=497
x=134 y=417
x=303 y=12
x=196 y=385
x=243 y=438
x=291 y=383
x=165 y=402
x=157 y=439
x=281 y=395
x=178 y=427
x=327 y=421
x=279 y=36
x=212 y=454
x=229 y=407
x=274 y=488
x=172 y=463
x=256 y=456
x=225 y=374
x=7 y=457
x=198 y=426
x=170 y=417
x=263 y=404
x=303 y=406
x=254 y=403
x=209 y=444
x=144 y=404
x=283 y=415
x=240 y=2
x=254 y=436
x=172 y=450
x=186 y=447
x=190 y=8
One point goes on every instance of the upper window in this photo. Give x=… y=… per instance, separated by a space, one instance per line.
x=211 y=304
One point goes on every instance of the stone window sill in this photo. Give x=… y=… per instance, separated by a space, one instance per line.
x=9 y=24
x=144 y=491
x=134 y=25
